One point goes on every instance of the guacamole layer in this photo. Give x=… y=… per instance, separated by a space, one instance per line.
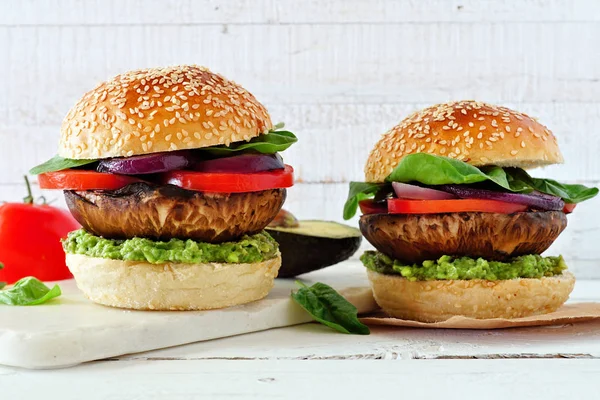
x=466 y=268
x=249 y=249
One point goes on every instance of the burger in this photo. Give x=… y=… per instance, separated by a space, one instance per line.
x=458 y=224
x=172 y=173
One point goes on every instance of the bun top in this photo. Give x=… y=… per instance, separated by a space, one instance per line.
x=161 y=109
x=476 y=133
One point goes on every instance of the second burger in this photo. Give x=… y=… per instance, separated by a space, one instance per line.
x=458 y=224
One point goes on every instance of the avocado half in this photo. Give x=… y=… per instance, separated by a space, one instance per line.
x=313 y=245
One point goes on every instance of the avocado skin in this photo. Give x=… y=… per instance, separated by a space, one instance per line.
x=302 y=253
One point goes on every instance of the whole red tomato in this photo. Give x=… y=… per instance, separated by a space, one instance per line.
x=30 y=240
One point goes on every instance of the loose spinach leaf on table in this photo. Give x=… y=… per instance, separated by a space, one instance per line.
x=28 y=292
x=329 y=308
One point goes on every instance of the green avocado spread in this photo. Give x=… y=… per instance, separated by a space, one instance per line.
x=465 y=268
x=249 y=249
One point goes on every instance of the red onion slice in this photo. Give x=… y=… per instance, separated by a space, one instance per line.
x=538 y=200
x=147 y=163
x=244 y=163
x=407 y=191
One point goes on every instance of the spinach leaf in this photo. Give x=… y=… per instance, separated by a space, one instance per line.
x=360 y=191
x=58 y=163
x=437 y=170
x=430 y=169
x=269 y=143
x=569 y=193
x=329 y=308
x=28 y=292
x=434 y=170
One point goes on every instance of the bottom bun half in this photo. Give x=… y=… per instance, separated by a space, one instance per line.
x=434 y=301
x=143 y=286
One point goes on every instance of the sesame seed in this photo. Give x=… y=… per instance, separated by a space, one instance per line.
x=514 y=152
x=522 y=143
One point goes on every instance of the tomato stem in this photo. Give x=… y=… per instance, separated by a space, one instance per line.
x=29 y=198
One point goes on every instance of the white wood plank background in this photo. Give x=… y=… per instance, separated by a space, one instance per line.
x=363 y=379
x=338 y=72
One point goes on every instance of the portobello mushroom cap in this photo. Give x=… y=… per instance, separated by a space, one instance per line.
x=414 y=238
x=165 y=212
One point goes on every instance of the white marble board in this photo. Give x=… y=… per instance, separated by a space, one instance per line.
x=72 y=330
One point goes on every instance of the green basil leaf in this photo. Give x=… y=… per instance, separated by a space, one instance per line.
x=58 y=163
x=360 y=191
x=269 y=143
x=28 y=292
x=329 y=308
x=569 y=193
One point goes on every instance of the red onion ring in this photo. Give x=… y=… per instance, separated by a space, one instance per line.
x=537 y=200
x=407 y=191
x=244 y=163
x=147 y=163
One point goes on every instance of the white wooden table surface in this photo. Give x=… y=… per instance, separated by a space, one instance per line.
x=311 y=360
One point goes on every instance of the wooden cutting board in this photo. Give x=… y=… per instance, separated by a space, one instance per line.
x=71 y=330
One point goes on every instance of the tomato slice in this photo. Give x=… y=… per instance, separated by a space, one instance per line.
x=220 y=182
x=74 y=179
x=569 y=207
x=401 y=206
x=372 y=207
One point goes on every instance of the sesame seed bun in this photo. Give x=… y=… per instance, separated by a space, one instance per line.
x=143 y=286
x=477 y=133
x=434 y=301
x=161 y=109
